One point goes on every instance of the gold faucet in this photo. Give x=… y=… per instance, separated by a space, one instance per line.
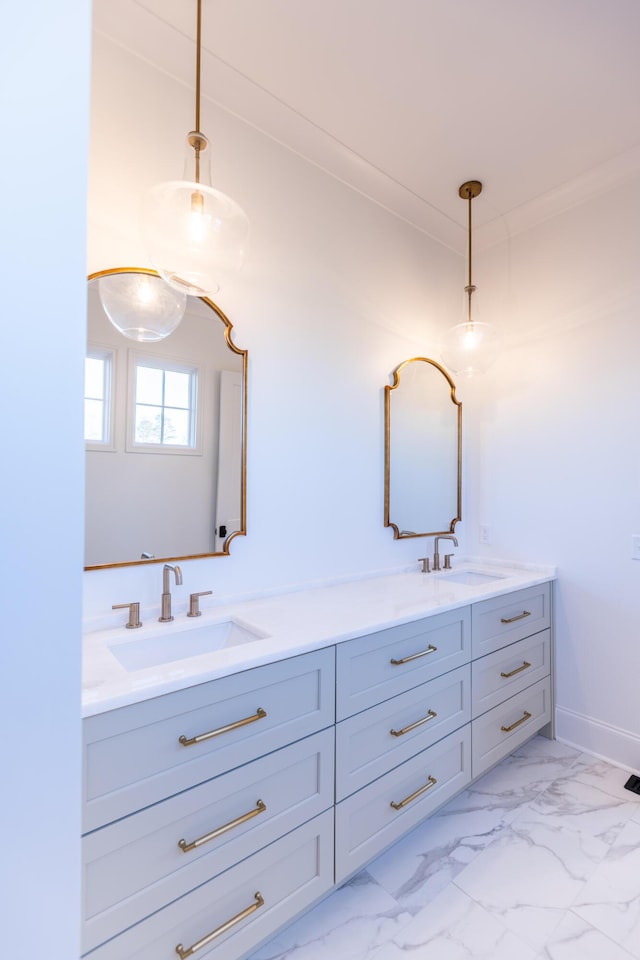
x=436 y=555
x=166 y=591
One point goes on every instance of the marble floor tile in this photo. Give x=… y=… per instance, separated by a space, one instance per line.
x=574 y=939
x=537 y=860
x=520 y=777
x=454 y=927
x=610 y=901
x=351 y=923
x=531 y=875
x=420 y=865
x=604 y=775
x=583 y=808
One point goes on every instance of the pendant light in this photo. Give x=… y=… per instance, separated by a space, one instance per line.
x=140 y=305
x=195 y=236
x=470 y=347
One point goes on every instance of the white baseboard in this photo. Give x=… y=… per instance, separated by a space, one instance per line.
x=620 y=747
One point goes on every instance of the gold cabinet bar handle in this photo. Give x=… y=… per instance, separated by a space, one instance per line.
x=415 y=656
x=239 y=917
x=412 y=726
x=527 y=716
x=512 y=673
x=258 y=715
x=521 y=616
x=431 y=782
x=186 y=847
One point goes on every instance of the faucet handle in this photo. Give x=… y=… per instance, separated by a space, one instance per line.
x=134 y=620
x=447 y=561
x=425 y=564
x=194 y=603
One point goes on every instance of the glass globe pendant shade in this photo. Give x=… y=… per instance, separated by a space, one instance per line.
x=195 y=236
x=141 y=306
x=470 y=347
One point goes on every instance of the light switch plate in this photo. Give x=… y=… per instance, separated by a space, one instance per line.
x=635 y=546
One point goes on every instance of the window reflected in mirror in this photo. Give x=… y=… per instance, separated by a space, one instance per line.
x=423 y=446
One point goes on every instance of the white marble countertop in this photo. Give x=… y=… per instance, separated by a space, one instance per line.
x=284 y=625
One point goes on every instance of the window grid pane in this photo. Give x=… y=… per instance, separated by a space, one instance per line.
x=97 y=386
x=164 y=407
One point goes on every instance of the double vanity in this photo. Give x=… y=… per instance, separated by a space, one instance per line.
x=240 y=765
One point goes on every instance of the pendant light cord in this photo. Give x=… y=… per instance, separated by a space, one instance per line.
x=470 y=288
x=467 y=192
x=196 y=140
x=198 y=48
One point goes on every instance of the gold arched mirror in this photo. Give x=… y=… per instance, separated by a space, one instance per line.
x=423 y=450
x=165 y=435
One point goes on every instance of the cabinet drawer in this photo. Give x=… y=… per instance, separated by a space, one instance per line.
x=134 y=756
x=385 y=664
x=289 y=875
x=367 y=822
x=510 y=617
x=507 y=671
x=366 y=747
x=135 y=866
x=498 y=732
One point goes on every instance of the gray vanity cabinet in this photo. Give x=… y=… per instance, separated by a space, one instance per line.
x=216 y=814
x=511 y=672
x=405 y=746
x=409 y=750
x=209 y=813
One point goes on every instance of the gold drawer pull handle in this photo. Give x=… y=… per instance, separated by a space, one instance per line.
x=258 y=715
x=527 y=716
x=412 y=726
x=415 y=656
x=186 y=847
x=431 y=782
x=521 y=616
x=512 y=673
x=239 y=917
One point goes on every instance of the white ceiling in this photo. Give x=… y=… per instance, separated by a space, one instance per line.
x=406 y=99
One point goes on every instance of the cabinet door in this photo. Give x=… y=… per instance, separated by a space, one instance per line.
x=371 y=819
x=241 y=908
x=371 y=743
x=135 y=866
x=138 y=755
x=507 y=671
x=498 y=732
x=382 y=665
x=510 y=617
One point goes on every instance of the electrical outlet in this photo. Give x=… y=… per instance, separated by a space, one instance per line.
x=635 y=546
x=485 y=534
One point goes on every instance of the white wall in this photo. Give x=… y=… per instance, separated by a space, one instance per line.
x=335 y=294
x=554 y=461
x=43 y=171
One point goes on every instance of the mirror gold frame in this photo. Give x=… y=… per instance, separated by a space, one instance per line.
x=243 y=354
x=456 y=495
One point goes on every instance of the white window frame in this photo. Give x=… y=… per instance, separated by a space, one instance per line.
x=136 y=359
x=98 y=351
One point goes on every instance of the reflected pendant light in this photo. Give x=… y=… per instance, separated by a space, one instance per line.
x=195 y=236
x=470 y=347
x=140 y=305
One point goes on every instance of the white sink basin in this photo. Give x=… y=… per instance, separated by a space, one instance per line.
x=471 y=578
x=142 y=652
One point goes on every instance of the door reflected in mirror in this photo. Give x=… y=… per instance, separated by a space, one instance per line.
x=165 y=426
x=423 y=463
